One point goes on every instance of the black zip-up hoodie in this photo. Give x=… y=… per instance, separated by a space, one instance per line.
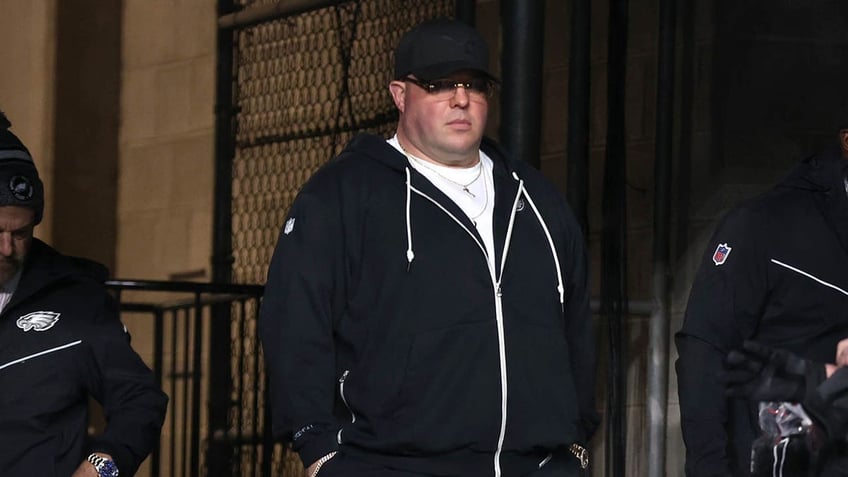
x=387 y=337
x=775 y=271
x=60 y=342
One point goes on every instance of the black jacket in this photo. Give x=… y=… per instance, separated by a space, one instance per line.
x=386 y=336
x=783 y=282
x=60 y=342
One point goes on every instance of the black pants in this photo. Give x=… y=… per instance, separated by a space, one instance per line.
x=343 y=465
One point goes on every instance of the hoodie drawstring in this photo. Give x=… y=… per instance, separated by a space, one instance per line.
x=410 y=255
x=526 y=193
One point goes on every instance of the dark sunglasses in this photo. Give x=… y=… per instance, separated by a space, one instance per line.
x=447 y=87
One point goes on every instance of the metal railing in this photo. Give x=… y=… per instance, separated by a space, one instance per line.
x=170 y=323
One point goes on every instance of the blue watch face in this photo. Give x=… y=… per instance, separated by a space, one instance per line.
x=108 y=469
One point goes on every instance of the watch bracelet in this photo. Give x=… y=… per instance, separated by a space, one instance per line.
x=321 y=462
x=581 y=453
x=99 y=462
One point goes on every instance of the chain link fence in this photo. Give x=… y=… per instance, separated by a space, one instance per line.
x=303 y=86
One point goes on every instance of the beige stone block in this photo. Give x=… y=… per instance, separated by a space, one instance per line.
x=173 y=242
x=149 y=33
x=196 y=26
x=138 y=111
x=145 y=181
x=163 y=31
x=135 y=46
x=173 y=101
x=137 y=245
x=201 y=93
x=192 y=172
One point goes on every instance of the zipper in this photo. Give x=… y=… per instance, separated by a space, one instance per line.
x=502 y=358
x=498 y=294
x=501 y=333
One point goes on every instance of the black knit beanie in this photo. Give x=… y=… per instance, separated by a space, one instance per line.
x=19 y=181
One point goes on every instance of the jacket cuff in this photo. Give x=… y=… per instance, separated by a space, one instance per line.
x=313 y=444
x=815 y=375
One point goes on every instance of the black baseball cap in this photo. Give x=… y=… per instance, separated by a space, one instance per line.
x=436 y=48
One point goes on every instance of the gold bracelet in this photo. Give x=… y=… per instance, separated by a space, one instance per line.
x=580 y=452
x=321 y=462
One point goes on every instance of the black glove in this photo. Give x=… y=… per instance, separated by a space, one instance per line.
x=828 y=406
x=760 y=373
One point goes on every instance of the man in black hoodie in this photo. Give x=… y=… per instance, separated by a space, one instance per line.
x=774 y=272
x=60 y=342
x=427 y=309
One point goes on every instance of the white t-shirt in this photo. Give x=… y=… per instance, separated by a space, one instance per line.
x=7 y=290
x=472 y=189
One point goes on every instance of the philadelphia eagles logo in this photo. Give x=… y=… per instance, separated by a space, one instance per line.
x=38 y=320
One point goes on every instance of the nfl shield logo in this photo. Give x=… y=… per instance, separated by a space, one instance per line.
x=721 y=253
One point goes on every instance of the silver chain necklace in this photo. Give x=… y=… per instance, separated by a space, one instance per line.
x=464 y=187
x=485 y=203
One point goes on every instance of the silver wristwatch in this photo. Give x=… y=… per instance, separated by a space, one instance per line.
x=104 y=467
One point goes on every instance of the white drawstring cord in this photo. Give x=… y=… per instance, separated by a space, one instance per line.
x=560 y=287
x=777 y=469
x=410 y=255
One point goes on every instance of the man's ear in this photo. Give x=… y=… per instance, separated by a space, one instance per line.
x=843 y=142
x=398 y=90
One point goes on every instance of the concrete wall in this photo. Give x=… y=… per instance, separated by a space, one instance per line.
x=27 y=33
x=166 y=139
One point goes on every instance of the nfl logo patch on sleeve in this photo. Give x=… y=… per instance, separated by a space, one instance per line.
x=721 y=253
